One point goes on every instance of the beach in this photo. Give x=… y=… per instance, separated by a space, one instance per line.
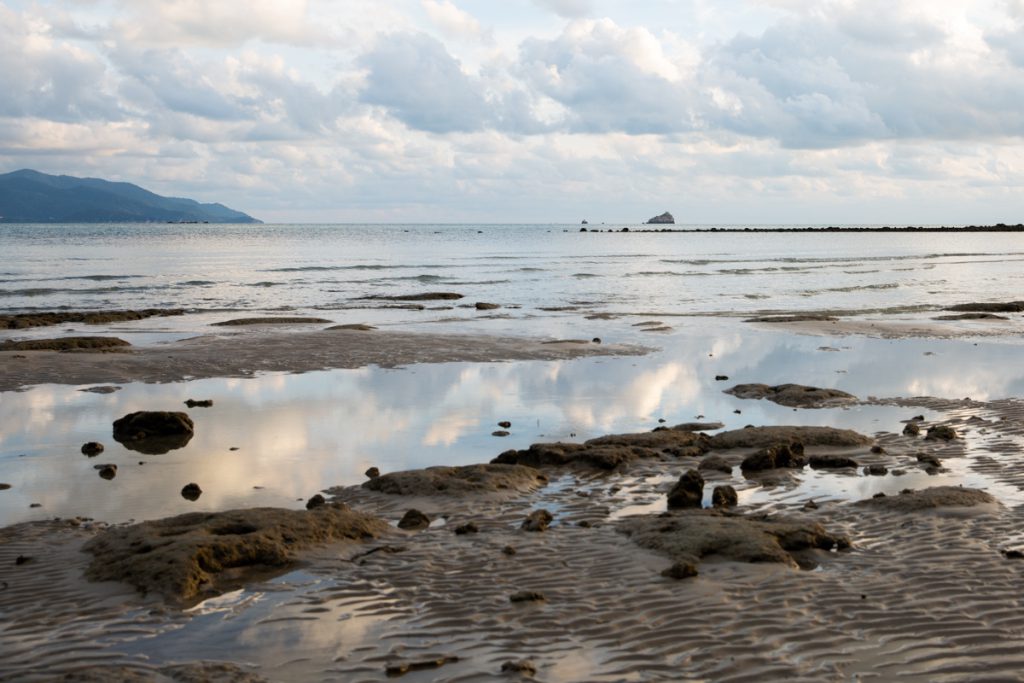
x=875 y=532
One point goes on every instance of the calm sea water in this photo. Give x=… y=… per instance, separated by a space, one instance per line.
x=296 y=434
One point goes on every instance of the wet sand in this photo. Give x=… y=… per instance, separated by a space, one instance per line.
x=260 y=350
x=922 y=595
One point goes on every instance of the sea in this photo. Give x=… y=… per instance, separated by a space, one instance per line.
x=278 y=438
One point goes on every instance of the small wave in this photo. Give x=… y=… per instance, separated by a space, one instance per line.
x=49 y=291
x=196 y=283
x=530 y=269
x=266 y=283
x=663 y=273
x=100 y=278
x=478 y=282
x=582 y=276
x=420 y=278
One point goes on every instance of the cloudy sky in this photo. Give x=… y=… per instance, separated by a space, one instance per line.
x=728 y=111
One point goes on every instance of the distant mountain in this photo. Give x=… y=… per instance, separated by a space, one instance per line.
x=32 y=197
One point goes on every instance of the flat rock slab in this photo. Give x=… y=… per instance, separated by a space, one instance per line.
x=989 y=307
x=454 y=481
x=66 y=344
x=971 y=316
x=154 y=432
x=271 y=321
x=208 y=672
x=930 y=499
x=19 y=321
x=610 y=452
x=689 y=535
x=759 y=437
x=203 y=553
x=794 y=395
x=798 y=318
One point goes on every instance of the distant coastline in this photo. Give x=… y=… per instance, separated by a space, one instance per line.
x=998 y=227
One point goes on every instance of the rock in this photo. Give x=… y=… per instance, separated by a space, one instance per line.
x=103 y=389
x=21 y=559
x=941 y=433
x=911 y=429
x=397 y=669
x=971 y=316
x=315 y=501
x=698 y=426
x=596 y=340
x=35 y=505
x=664 y=219
x=425 y=296
x=798 y=318
x=930 y=498
x=715 y=463
x=929 y=459
x=467 y=528
x=153 y=432
x=413 y=520
x=440 y=481
x=191 y=555
x=538 y=520
x=4 y=487
x=191 y=492
x=355 y=327
x=986 y=307
x=108 y=472
x=504 y=424
x=19 y=321
x=203 y=403
x=482 y=306
x=65 y=344
x=757 y=437
x=280 y=320
x=680 y=570
x=526 y=596
x=500 y=432
x=508 y=550
x=92 y=448
x=688 y=492
x=877 y=450
x=523 y=667
x=793 y=395
x=721 y=378
x=876 y=470
x=789 y=455
x=724 y=496
x=193 y=672
x=689 y=535
x=828 y=462
x=810 y=505
x=372 y=473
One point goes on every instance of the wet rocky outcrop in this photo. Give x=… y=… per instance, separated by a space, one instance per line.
x=439 y=481
x=610 y=452
x=17 y=321
x=831 y=461
x=203 y=553
x=279 y=320
x=989 y=307
x=690 y=535
x=793 y=395
x=795 y=318
x=931 y=498
x=782 y=455
x=154 y=432
x=688 y=492
x=414 y=520
x=66 y=344
x=759 y=437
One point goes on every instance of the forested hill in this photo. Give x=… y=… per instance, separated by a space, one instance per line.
x=28 y=196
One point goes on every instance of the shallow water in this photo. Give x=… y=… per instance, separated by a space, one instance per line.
x=298 y=433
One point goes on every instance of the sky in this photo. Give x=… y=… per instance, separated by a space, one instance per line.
x=455 y=111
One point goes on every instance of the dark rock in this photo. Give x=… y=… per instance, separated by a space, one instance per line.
x=65 y=344
x=35 y=505
x=316 y=501
x=191 y=492
x=810 y=505
x=467 y=528
x=929 y=459
x=108 y=472
x=22 y=559
x=941 y=433
x=23 y=320
x=971 y=316
x=154 y=432
x=988 y=307
x=664 y=219
x=758 y=437
x=523 y=667
x=798 y=318
x=401 y=668
x=1012 y=554
x=538 y=520
x=793 y=395
x=500 y=432
x=426 y=296
x=4 y=487
x=482 y=306
x=698 y=426
x=203 y=403
x=724 y=496
x=609 y=452
x=526 y=596
x=789 y=455
x=280 y=320
x=508 y=550
x=440 y=481
x=877 y=450
x=911 y=429
x=414 y=520
x=715 y=463
x=104 y=389
x=688 y=491
x=372 y=473
x=92 y=448
x=826 y=462
x=876 y=470
x=680 y=570
x=935 y=497
x=721 y=378
x=504 y=424
x=355 y=327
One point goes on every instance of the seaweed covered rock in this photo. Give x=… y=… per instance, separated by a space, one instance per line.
x=759 y=437
x=793 y=395
x=690 y=535
x=611 y=451
x=440 y=481
x=66 y=344
x=199 y=553
x=688 y=492
x=931 y=498
x=785 y=455
x=154 y=432
x=831 y=461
